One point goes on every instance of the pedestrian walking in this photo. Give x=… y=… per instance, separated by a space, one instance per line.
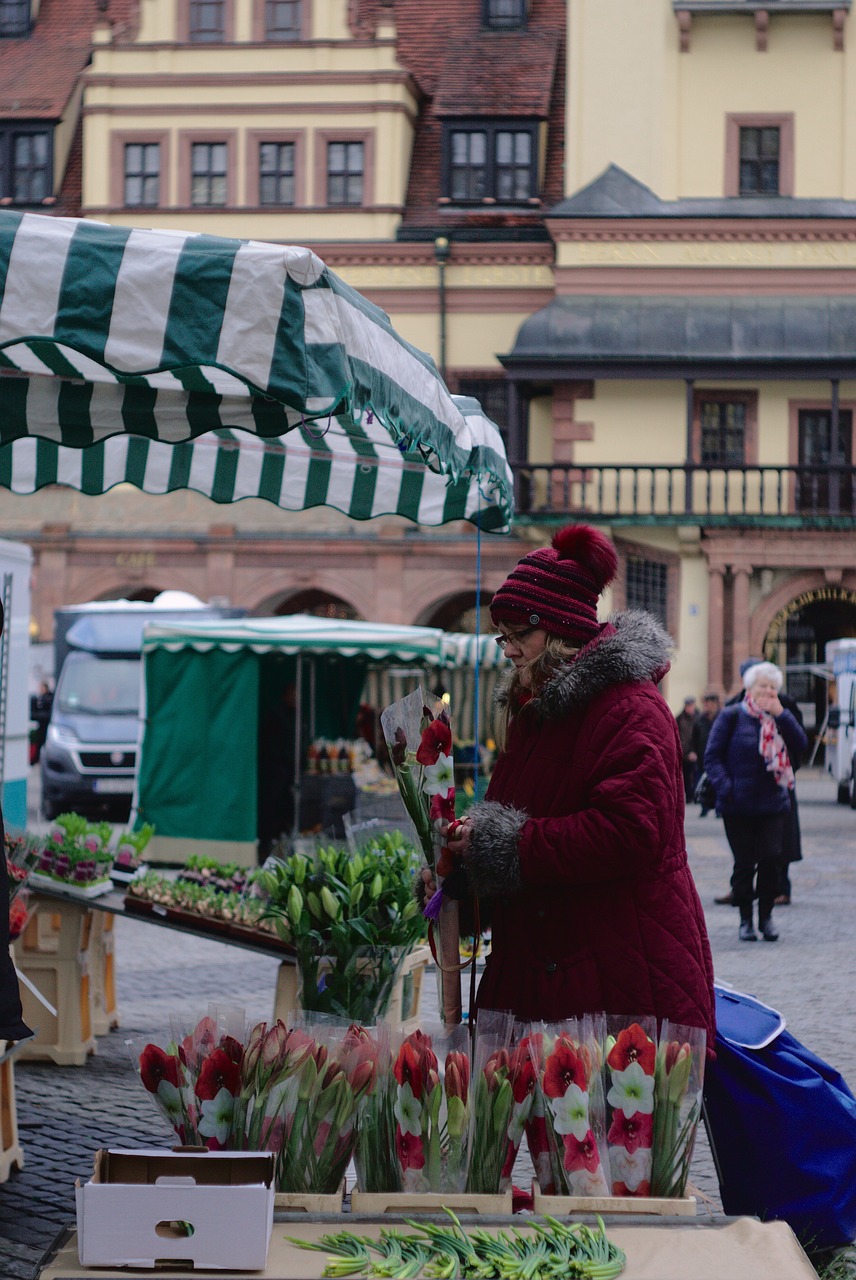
x=710 y=709
x=578 y=849
x=687 y=720
x=748 y=760
x=792 y=843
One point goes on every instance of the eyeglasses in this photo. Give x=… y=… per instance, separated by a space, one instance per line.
x=514 y=638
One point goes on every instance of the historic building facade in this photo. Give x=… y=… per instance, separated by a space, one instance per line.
x=630 y=230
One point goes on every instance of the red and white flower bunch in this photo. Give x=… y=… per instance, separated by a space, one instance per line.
x=196 y=1082
x=431 y=1110
x=419 y=741
x=567 y=1057
x=630 y=1061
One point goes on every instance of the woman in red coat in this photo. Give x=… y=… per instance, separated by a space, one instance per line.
x=579 y=845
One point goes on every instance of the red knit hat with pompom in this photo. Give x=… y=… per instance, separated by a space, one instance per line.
x=556 y=588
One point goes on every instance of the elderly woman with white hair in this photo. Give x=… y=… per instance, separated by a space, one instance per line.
x=748 y=760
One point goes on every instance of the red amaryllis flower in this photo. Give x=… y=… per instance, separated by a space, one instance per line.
x=408 y=1148
x=436 y=739
x=457 y=1075
x=155 y=1065
x=199 y=1043
x=218 y=1072
x=442 y=807
x=631 y=1132
x=620 y=1189
x=521 y=1072
x=581 y=1154
x=632 y=1045
x=497 y=1063
x=564 y=1068
x=416 y=1063
x=233 y=1049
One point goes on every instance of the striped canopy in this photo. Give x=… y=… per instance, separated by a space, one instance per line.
x=111 y=332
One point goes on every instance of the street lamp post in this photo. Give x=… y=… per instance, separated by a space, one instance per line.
x=442 y=249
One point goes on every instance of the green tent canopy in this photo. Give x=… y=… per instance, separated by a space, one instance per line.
x=167 y=336
x=204 y=685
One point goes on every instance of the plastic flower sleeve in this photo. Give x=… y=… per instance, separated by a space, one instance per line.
x=679 y=1079
x=568 y=1057
x=211 y=1050
x=375 y=1157
x=629 y=1081
x=431 y=1071
x=355 y=986
x=492 y=1104
x=164 y=1076
x=418 y=735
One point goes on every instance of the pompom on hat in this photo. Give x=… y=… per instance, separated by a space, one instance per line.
x=556 y=588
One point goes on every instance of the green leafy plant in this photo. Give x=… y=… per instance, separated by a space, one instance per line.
x=351 y=918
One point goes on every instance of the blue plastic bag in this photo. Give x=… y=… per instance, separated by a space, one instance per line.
x=782 y=1125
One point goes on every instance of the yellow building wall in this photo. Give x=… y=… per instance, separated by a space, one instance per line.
x=158 y=20
x=634 y=100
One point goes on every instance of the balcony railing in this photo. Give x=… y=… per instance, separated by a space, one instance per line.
x=653 y=493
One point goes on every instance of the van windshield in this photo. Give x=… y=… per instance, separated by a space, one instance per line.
x=99 y=686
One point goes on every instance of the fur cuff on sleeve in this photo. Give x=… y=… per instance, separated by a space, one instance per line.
x=492 y=860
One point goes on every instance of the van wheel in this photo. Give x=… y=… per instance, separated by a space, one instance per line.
x=844 y=791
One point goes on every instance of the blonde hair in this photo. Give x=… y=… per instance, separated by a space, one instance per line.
x=556 y=653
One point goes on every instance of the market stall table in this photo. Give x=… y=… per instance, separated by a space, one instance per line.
x=663 y=1249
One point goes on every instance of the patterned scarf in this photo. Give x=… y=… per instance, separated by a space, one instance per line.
x=771 y=745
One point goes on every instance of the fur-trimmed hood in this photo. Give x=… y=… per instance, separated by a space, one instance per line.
x=632 y=647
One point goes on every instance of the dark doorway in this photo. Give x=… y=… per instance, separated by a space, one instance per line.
x=800 y=643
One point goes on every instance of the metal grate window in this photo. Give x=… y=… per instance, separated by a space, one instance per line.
x=647 y=586
x=759 y=161
x=345 y=171
x=504 y=14
x=283 y=20
x=14 y=17
x=207 y=21
x=276 y=173
x=723 y=432
x=142 y=174
x=208 y=170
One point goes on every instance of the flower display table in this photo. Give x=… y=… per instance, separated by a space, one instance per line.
x=53 y=953
x=661 y=1249
x=11 y=1152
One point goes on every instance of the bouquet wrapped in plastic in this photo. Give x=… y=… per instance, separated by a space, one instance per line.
x=502 y=1093
x=678 y=1081
x=629 y=1078
x=567 y=1056
x=432 y=1077
x=418 y=735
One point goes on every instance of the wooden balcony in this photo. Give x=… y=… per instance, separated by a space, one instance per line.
x=664 y=494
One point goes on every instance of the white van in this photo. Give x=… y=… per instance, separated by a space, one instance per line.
x=841 y=724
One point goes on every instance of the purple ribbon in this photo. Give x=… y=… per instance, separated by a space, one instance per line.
x=432 y=909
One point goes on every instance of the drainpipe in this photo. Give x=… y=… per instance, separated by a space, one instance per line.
x=442 y=249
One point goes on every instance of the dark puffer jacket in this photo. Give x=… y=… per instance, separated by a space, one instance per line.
x=580 y=846
x=738 y=771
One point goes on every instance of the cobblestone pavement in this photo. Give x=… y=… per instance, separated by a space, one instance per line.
x=65 y=1114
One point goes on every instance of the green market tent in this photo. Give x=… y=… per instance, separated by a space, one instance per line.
x=166 y=335
x=205 y=684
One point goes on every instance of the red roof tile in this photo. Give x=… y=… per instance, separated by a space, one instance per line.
x=503 y=74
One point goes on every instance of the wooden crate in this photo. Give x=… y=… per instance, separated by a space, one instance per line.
x=305 y=1202
x=658 y=1206
x=413 y=1203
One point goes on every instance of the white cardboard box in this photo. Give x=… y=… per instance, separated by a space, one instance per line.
x=138 y=1206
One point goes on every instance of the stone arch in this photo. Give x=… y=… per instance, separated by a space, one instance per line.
x=431 y=590
x=778 y=599
x=455 y=611
x=308 y=600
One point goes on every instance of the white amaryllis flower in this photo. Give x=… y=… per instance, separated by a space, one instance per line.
x=408 y=1111
x=170 y=1100
x=216 y=1121
x=571 y=1112
x=519 y=1116
x=630 y=1167
x=440 y=777
x=632 y=1091
x=585 y=1183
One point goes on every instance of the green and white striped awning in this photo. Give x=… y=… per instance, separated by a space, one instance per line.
x=111 y=332
x=301 y=470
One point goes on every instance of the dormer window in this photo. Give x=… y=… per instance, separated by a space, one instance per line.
x=493 y=162
x=26 y=162
x=504 y=15
x=14 y=17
